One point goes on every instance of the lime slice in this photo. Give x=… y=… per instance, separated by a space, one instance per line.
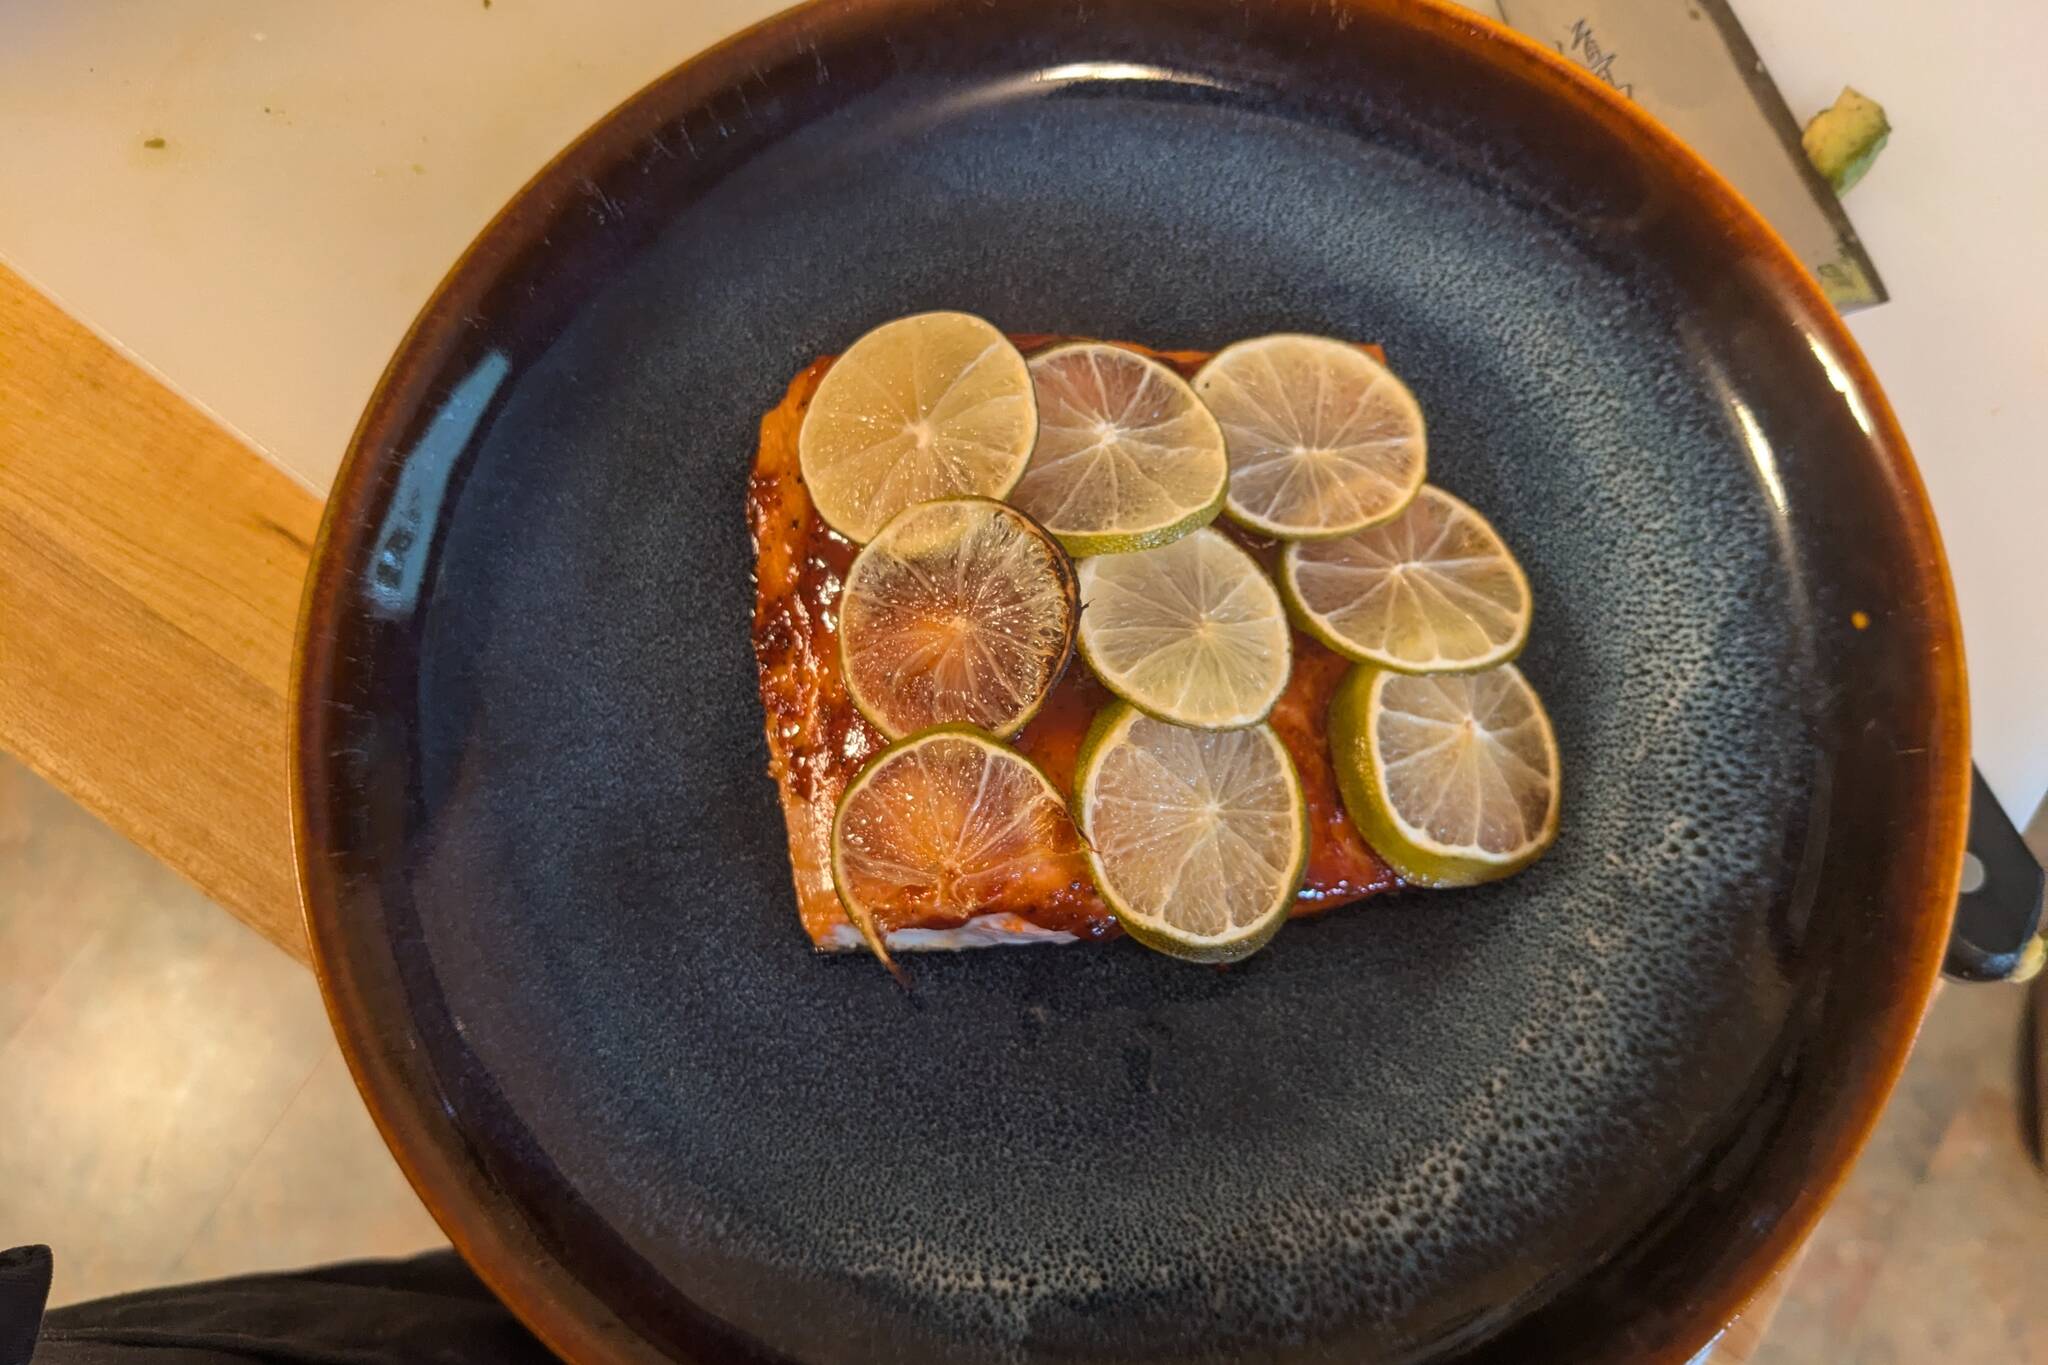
x=1197 y=838
x=1451 y=777
x=1322 y=438
x=1127 y=457
x=927 y=406
x=1432 y=591
x=960 y=610
x=1192 y=632
x=939 y=825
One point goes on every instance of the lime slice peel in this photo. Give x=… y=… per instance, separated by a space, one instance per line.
x=1192 y=632
x=928 y=406
x=943 y=816
x=959 y=610
x=1452 y=778
x=1197 y=840
x=1433 y=590
x=1127 y=456
x=1322 y=438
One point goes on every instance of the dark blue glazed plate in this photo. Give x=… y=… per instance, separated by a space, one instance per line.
x=1579 y=1115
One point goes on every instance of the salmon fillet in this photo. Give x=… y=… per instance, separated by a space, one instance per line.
x=818 y=742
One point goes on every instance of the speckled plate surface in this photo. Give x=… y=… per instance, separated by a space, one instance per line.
x=1575 y=1116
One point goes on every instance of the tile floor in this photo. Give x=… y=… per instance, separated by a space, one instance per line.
x=1936 y=1251
x=183 y=1113
x=178 y=1106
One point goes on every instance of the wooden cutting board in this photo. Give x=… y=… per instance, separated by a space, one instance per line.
x=150 y=566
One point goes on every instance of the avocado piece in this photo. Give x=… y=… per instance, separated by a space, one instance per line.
x=1844 y=139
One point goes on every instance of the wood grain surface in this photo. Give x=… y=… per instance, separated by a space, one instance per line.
x=150 y=567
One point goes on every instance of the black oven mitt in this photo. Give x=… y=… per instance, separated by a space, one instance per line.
x=429 y=1310
x=24 y=1289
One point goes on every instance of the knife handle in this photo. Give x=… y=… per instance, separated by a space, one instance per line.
x=1998 y=929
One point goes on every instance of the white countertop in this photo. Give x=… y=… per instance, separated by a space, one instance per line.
x=322 y=166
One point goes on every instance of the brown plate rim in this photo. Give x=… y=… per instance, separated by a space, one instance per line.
x=566 y=1316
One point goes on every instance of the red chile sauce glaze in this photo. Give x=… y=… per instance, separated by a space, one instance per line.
x=817 y=741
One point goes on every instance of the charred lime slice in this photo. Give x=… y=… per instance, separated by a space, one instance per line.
x=938 y=826
x=958 y=611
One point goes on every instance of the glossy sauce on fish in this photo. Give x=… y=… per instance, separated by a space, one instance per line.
x=818 y=742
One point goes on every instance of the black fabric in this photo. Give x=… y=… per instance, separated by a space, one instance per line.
x=24 y=1289
x=429 y=1310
